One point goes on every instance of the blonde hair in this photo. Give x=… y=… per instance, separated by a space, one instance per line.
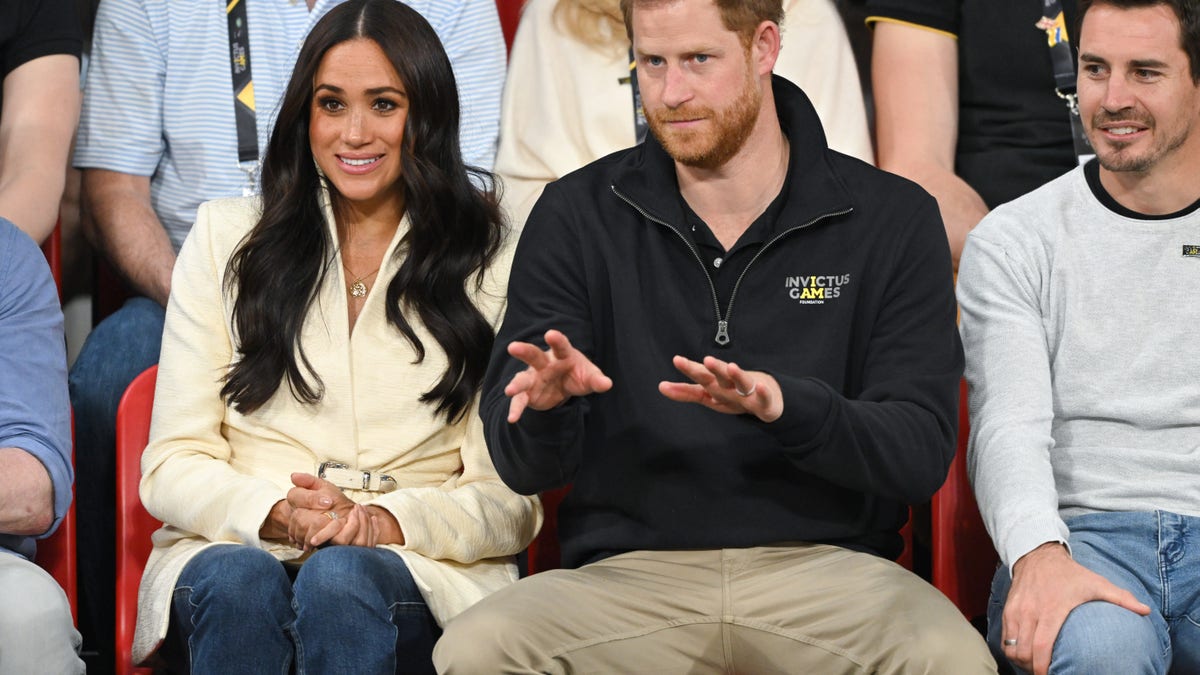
x=596 y=23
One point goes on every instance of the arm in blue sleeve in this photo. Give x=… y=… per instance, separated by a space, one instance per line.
x=35 y=412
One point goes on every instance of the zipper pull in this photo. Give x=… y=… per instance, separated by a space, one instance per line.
x=722 y=333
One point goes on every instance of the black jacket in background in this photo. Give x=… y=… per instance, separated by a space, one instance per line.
x=849 y=304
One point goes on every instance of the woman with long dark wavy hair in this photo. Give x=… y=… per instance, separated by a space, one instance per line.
x=315 y=452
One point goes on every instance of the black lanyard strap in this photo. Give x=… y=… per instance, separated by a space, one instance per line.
x=1062 y=60
x=639 y=113
x=243 y=82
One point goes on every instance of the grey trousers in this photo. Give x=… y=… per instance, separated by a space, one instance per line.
x=788 y=609
x=37 y=634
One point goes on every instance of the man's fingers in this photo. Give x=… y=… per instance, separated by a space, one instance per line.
x=552 y=377
x=682 y=392
x=720 y=371
x=1123 y=598
x=1042 y=644
x=598 y=382
x=696 y=372
x=559 y=345
x=1018 y=635
x=529 y=354
x=521 y=382
x=516 y=406
x=743 y=383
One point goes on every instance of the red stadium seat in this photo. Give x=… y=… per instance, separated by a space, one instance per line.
x=963 y=558
x=52 y=248
x=543 y=553
x=134 y=525
x=56 y=555
x=510 y=16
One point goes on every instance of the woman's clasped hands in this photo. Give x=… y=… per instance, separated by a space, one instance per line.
x=322 y=515
x=316 y=513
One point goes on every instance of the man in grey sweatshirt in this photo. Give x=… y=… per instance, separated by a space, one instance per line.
x=1081 y=326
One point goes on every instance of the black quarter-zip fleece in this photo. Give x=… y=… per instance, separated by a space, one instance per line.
x=848 y=303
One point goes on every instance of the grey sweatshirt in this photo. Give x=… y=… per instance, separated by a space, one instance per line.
x=1082 y=334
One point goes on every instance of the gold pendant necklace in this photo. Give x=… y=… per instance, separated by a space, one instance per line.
x=357 y=288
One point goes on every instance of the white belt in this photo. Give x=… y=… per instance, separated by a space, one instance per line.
x=346 y=478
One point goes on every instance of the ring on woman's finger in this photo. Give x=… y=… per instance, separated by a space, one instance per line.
x=744 y=394
x=332 y=515
x=1010 y=642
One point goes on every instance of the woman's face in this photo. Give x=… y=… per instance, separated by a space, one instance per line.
x=359 y=108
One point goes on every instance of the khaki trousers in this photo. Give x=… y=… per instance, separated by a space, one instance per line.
x=787 y=609
x=37 y=634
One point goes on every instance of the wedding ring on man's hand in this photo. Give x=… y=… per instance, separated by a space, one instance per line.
x=332 y=515
x=744 y=394
x=1010 y=642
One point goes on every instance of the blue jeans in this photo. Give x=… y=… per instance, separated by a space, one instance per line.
x=1155 y=556
x=116 y=351
x=350 y=609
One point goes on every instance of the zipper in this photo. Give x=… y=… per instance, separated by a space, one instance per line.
x=722 y=337
x=781 y=235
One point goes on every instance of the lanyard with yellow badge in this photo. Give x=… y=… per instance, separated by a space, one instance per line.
x=243 y=92
x=1062 y=60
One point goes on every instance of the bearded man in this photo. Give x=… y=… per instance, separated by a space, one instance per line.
x=739 y=347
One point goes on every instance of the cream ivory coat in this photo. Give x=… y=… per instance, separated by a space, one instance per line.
x=214 y=474
x=564 y=107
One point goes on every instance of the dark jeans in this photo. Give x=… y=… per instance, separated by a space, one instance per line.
x=350 y=609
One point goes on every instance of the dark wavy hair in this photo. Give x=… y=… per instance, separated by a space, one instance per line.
x=456 y=226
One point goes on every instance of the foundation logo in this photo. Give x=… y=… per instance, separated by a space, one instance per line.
x=815 y=290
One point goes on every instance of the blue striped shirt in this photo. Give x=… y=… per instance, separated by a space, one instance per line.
x=159 y=99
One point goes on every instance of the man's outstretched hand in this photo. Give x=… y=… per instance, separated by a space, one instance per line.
x=726 y=388
x=553 y=375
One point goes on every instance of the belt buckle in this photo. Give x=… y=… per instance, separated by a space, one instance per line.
x=340 y=475
x=345 y=478
x=386 y=483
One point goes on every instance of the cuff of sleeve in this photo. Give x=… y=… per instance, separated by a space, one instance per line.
x=399 y=503
x=806 y=404
x=60 y=475
x=540 y=422
x=1032 y=534
x=248 y=520
x=872 y=20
